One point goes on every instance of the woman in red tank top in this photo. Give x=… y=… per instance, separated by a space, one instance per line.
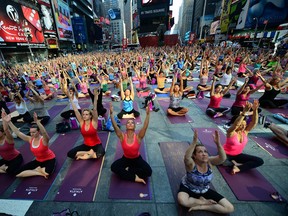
x=131 y=166
x=11 y=157
x=47 y=89
x=45 y=160
x=216 y=95
x=92 y=147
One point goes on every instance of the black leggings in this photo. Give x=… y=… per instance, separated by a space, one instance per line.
x=136 y=166
x=120 y=115
x=247 y=161
x=26 y=118
x=13 y=165
x=272 y=103
x=98 y=149
x=44 y=119
x=48 y=164
x=100 y=108
x=213 y=111
x=69 y=113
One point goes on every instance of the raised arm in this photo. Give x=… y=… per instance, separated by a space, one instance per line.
x=254 y=121
x=212 y=90
x=233 y=80
x=243 y=86
x=238 y=121
x=21 y=135
x=143 y=130
x=114 y=124
x=132 y=88
x=188 y=160
x=77 y=113
x=94 y=111
x=121 y=89
x=7 y=132
x=221 y=157
x=43 y=131
x=173 y=83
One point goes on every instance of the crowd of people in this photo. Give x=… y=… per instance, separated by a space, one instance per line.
x=164 y=70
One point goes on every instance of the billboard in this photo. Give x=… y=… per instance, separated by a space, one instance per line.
x=15 y=20
x=114 y=14
x=238 y=13
x=46 y=17
x=224 y=20
x=274 y=12
x=155 y=11
x=79 y=30
x=62 y=19
x=145 y=3
x=214 y=26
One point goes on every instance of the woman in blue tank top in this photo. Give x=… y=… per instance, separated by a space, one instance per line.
x=127 y=97
x=194 y=192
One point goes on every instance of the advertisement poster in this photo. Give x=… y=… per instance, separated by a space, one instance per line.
x=273 y=12
x=79 y=30
x=62 y=19
x=224 y=20
x=154 y=2
x=214 y=26
x=238 y=13
x=19 y=24
x=46 y=17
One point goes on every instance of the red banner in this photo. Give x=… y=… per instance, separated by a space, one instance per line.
x=19 y=24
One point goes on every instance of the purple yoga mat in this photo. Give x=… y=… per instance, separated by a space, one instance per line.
x=283 y=110
x=7 y=180
x=121 y=189
x=84 y=104
x=205 y=135
x=203 y=104
x=173 y=155
x=55 y=110
x=36 y=188
x=137 y=120
x=248 y=186
x=81 y=180
x=272 y=145
x=174 y=119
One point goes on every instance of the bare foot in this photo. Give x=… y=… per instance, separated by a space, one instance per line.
x=42 y=171
x=139 y=180
x=235 y=163
x=235 y=170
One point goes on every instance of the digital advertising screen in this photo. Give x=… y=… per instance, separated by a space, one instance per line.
x=46 y=17
x=62 y=19
x=145 y=3
x=18 y=24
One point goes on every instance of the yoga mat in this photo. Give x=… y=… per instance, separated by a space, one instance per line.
x=122 y=189
x=173 y=156
x=283 y=110
x=248 y=186
x=7 y=180
x=84 y=104
x=137 y=120
x=36 y=188
x=81 y=181
x=205 y=135
x=174 y=119
x=55 y=110
x=62 y=99
x=272 y=145
x=143 y=94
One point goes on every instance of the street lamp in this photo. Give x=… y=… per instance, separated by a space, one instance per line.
x=28 y=35
x=256 y=27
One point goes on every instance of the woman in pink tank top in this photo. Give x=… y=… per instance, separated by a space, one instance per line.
x=11 y=157
x=236 y=140
x=45 y=159
x=131 y=166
